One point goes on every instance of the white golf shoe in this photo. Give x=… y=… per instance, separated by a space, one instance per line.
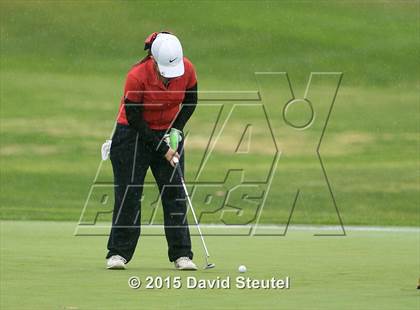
x=185 y=263
x=116 y=262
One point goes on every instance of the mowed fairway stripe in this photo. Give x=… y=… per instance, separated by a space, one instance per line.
x=313 y=227
x=104 y=228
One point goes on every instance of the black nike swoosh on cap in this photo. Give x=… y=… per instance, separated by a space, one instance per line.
x=172 y=60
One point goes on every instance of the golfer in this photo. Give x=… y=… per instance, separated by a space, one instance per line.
x=160 y=96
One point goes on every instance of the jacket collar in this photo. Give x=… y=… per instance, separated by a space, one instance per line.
x=153 y=77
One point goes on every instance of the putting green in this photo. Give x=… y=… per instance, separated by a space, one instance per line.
x=45 y=267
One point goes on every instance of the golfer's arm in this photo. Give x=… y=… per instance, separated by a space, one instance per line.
x=135 y=119
x=187 y=108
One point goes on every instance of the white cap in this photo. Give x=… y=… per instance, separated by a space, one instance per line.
x=167 y=51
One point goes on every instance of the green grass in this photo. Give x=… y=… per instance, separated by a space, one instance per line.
x=53 y=269
x=61 y=85
x=374 y=43
x=62 y=69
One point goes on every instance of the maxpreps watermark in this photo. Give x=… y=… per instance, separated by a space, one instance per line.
x=270 y=123
x=191 y=282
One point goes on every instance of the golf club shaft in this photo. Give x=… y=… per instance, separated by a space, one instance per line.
x=178 y=167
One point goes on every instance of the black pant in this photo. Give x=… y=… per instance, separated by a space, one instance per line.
x=128 y=149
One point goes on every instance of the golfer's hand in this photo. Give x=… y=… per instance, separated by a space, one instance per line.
x=170 y=154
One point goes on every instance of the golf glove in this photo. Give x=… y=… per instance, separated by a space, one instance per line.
x=106 y=148
x=175 y=136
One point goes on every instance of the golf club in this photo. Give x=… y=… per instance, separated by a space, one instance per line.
x=207 y=255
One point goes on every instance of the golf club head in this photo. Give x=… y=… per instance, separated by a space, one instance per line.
x=209 y=266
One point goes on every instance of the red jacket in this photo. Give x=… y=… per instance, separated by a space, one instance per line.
x=160 y=104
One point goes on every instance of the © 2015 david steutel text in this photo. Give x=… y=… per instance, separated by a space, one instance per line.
x=191 y=282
